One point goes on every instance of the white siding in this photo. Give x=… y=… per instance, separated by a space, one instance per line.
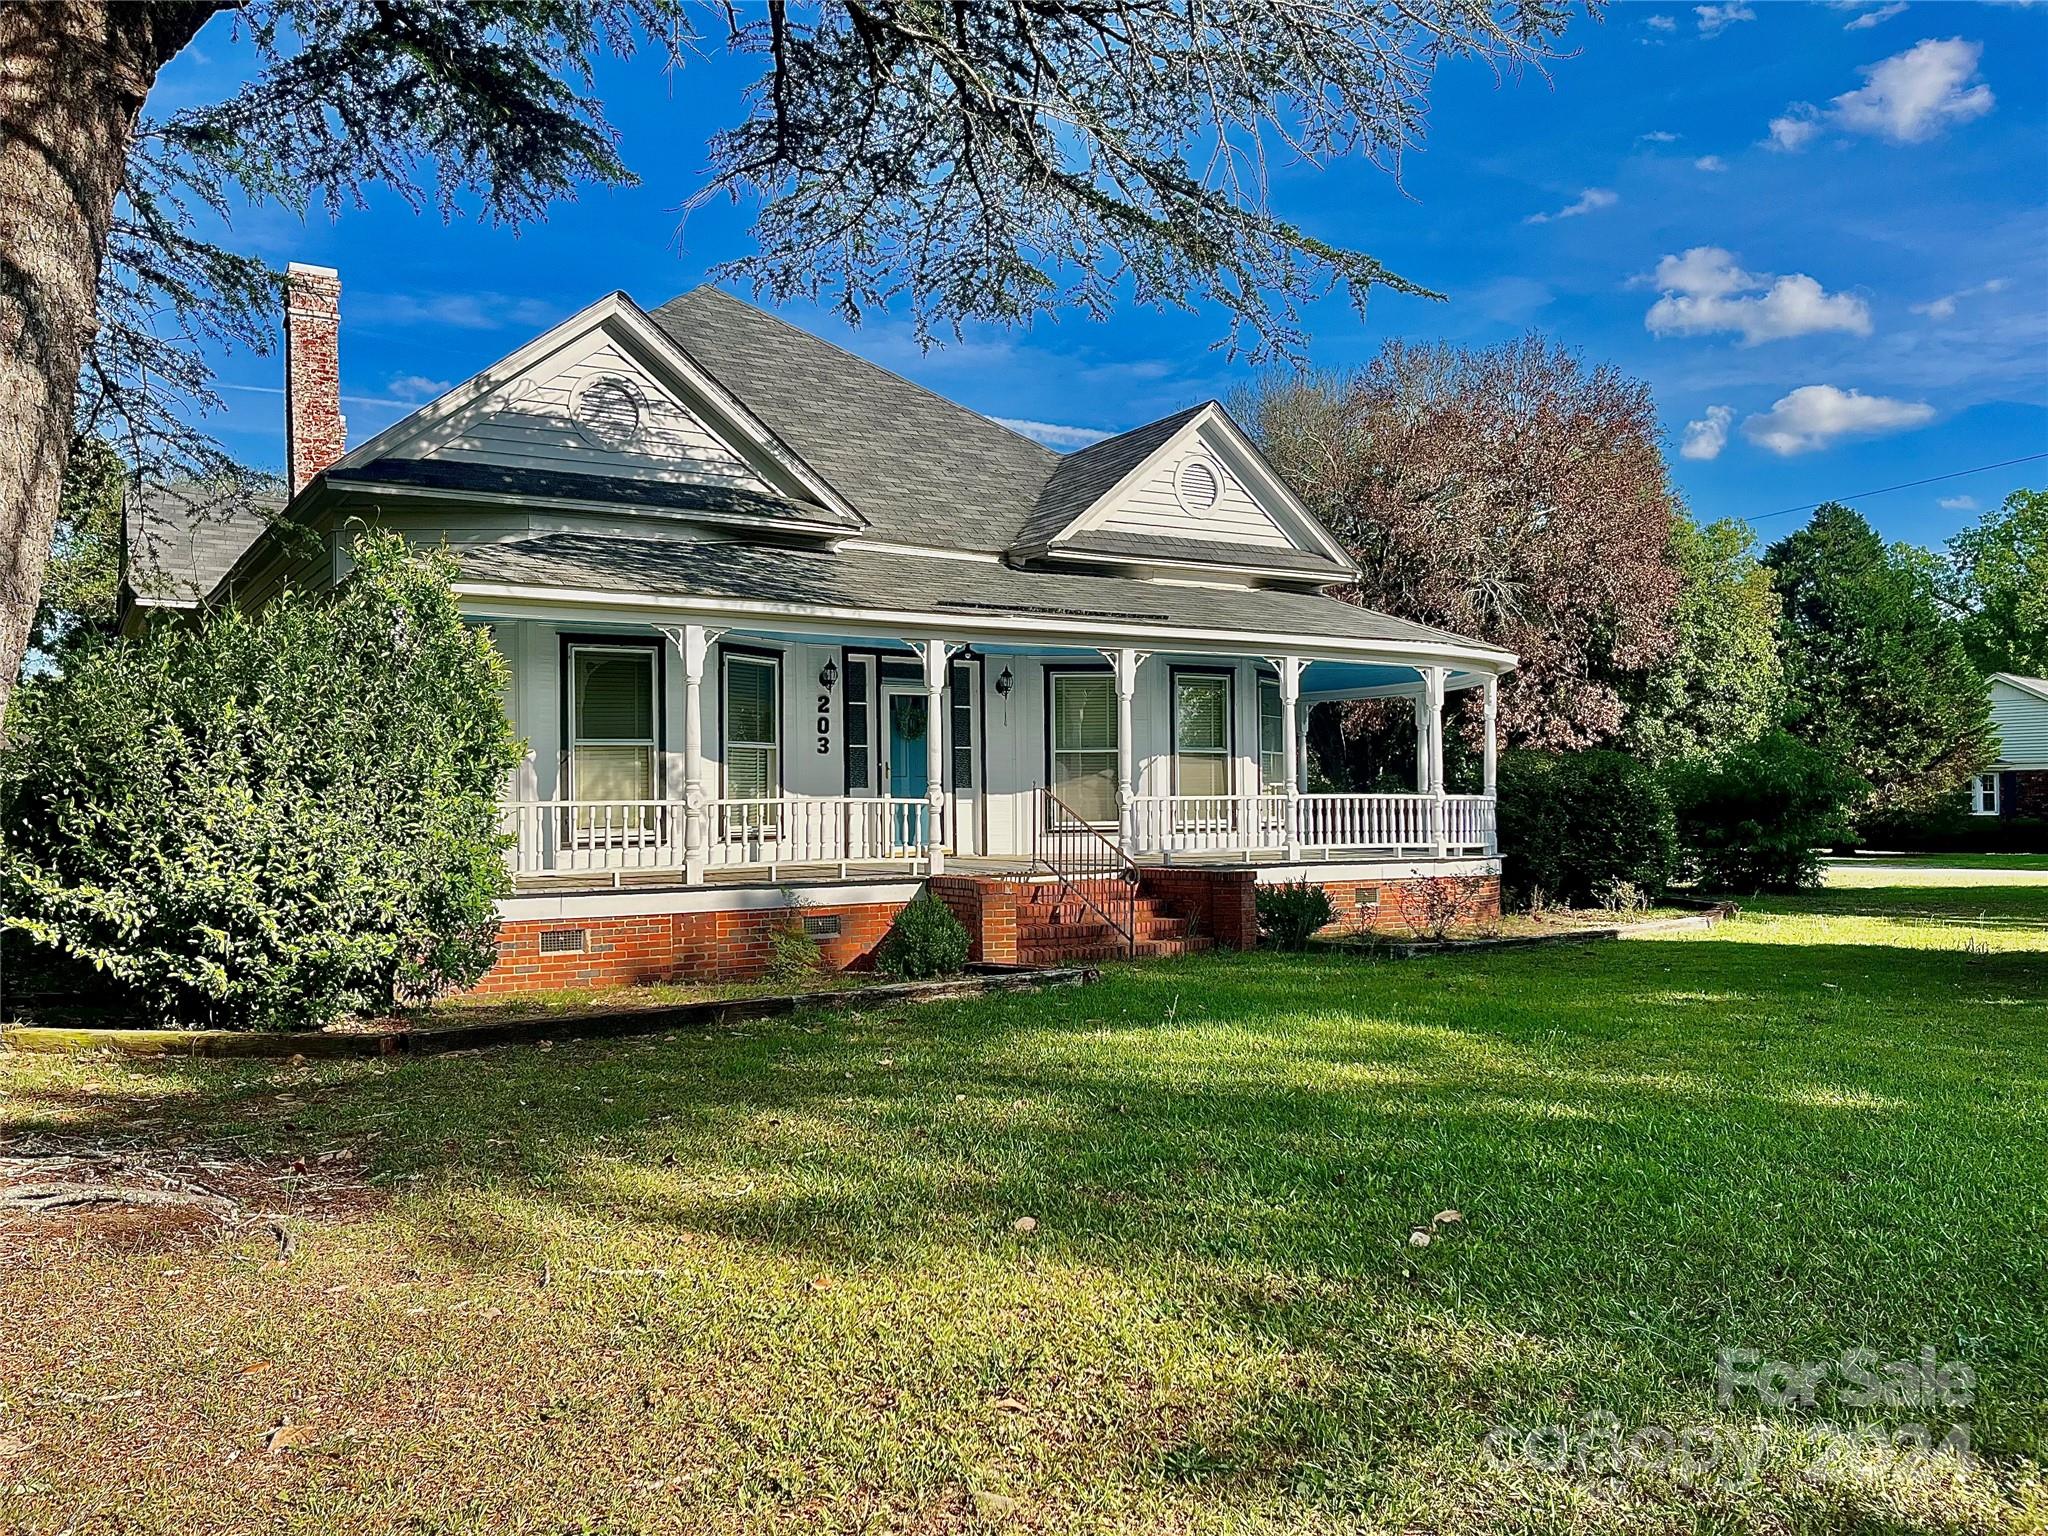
x=1153 y=508
x=530 y=423
x=2020 y=721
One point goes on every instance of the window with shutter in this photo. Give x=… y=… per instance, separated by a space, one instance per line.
x=753 y=736
x=855 y=704
x=612 y=722
x=1272 y=747
x=1201 y=734
x=1084 y=744
x=961 y=732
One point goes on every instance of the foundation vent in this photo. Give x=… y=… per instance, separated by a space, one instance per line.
x=564 y=941
x=825 y=927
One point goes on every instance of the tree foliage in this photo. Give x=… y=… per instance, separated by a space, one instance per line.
x=82 y=589
x=265 y=821
x=1514 y=494
x=987 y=162
x=1876 y=674
x=1756 y=818
x=1997 y=579
x=1575 y=826
x=1720 y=685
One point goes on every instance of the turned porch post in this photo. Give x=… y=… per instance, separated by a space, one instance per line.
x=934 y=654
x=1492 y=762
x=1124 y=664
x=1292 y=738
x=1433 y=704
x=693 y=644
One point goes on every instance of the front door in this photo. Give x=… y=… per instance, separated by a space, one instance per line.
x=906 y=771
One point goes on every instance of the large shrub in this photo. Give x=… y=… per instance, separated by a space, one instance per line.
x=926 y=940
x=1755 y=818
x=1574 y=824
x=265 y=821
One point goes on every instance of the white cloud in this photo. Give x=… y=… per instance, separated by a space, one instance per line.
x=1944 y=308
x=1913 y=95
x=1958 y=503
x=1704 y=291
x=1051 y=435
x=1657 y=136
x=1870 y=19
x=1710 y=163
x=1716 y=19
x=1705 y=438
x=411 y=386
x=1795 y=127
x=1661 y=23
x=1589 y=200
x=1817 y=416
x=1908 y=98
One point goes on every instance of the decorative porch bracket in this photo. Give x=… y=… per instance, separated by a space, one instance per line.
x=1293 y=741
x=693 y=644
x=1124 y=664
x=934 y=654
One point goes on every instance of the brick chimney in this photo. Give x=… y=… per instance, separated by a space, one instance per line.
x=315 y=434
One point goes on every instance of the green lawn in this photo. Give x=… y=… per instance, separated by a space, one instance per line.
x=2023 y=862
x=768 y=1278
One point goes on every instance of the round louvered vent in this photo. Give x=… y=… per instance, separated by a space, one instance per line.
x=609 y=410
x=1199 y=485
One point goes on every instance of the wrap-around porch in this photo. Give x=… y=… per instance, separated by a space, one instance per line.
x=989 y=755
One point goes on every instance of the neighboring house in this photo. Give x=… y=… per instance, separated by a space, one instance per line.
x=2017 y=783
x=777 y=619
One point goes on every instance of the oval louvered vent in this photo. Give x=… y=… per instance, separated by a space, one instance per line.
x=609 y=410
x=1198 y=484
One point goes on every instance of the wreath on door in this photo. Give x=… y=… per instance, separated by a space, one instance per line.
x=910 y=720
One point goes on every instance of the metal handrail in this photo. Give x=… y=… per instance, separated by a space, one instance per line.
x=1071 y=849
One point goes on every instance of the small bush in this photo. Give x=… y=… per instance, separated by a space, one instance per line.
x=926 y=940
x=1756 y=818
x=1292 y=913
x=793 y=953
x=1572 y=824
x=1621 y=896
x=1952 y=829
x=1443 y=902
x=265 y=821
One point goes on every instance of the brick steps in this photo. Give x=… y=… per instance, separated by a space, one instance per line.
x=1056 y=925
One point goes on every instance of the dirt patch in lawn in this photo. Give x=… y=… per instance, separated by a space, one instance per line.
x=82 y=1196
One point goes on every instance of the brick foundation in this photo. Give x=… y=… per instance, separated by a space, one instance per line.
x=1219 y=904
x=1401 y=906
x=678 y=946
x=987 y=909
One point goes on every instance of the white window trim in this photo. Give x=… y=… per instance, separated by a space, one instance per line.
x=1278 y=784
x=1054 y=751
x=1226 y=754
x=1984 y=794
x=652 y=741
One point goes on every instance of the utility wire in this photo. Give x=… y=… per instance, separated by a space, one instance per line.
x=1954 y=474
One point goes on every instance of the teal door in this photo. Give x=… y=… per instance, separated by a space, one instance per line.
x=908 y=778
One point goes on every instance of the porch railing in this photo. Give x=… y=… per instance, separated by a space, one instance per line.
x=618 y=837
x=1169 y=825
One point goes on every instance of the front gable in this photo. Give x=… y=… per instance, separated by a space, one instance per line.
x=1200 y=494
x=604 y=398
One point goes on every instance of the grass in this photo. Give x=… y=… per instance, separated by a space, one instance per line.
x=2025 y=862
x=769 y=1278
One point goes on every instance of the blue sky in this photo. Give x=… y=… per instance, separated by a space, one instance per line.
x=1819 y=231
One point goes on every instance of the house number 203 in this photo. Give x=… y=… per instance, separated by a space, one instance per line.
x=824 y=725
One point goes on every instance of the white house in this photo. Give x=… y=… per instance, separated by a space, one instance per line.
x=2016 y=784
x=778 y=619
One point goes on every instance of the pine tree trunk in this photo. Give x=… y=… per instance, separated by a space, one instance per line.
x=73 y=76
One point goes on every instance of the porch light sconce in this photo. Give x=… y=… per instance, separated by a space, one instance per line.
x=828 y=677
x=1005 y=682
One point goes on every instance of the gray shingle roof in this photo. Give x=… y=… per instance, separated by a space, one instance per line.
x=876 y=580
x=619 y=490
x=920 y=469
x=1084 y=477
x=1134 y=546
x=184 y=537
